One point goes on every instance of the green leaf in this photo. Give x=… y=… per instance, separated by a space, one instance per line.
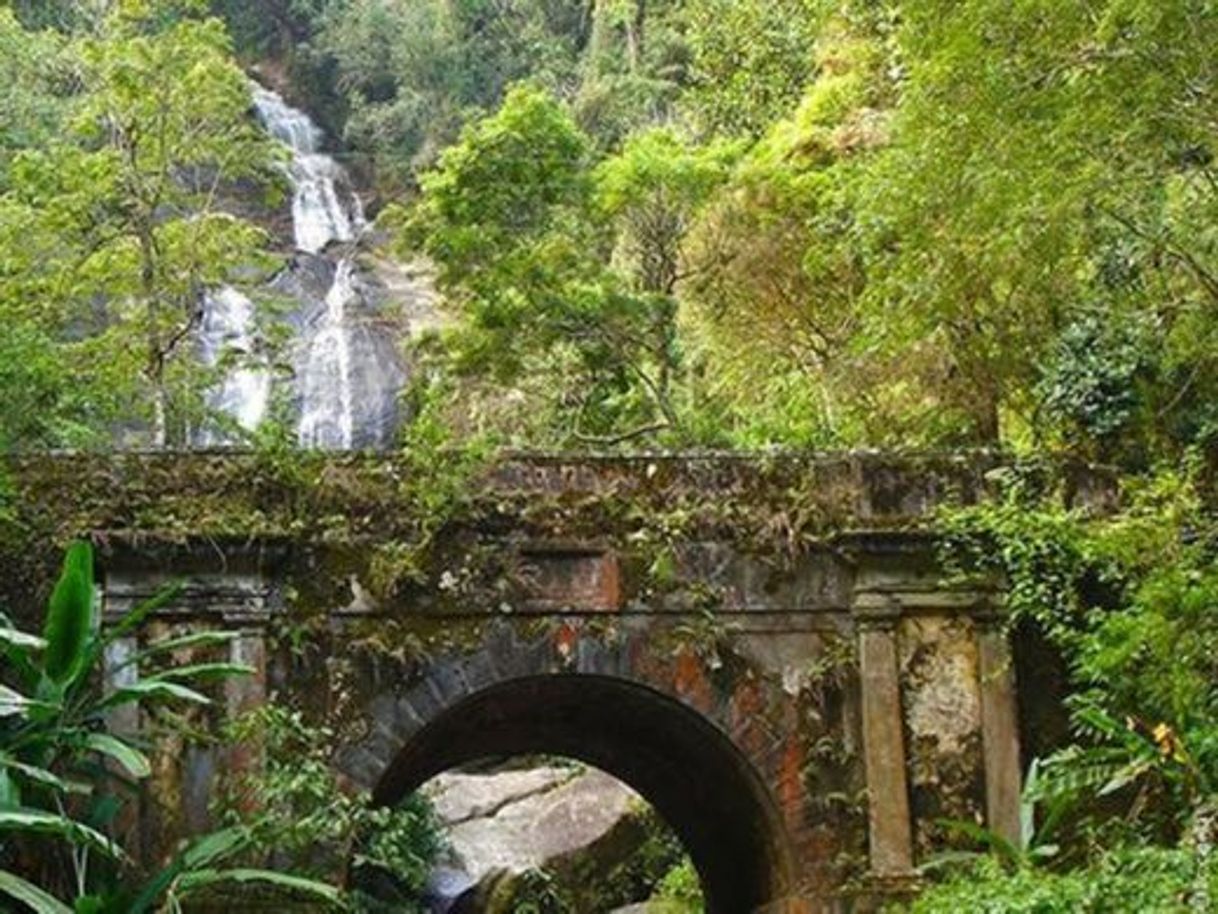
x=132 y=619
x=214 y=847
x=13 y=702
x=204 y=671
x=69 y=625
x=199 y=879
x=37 y=821
x=203 y=852
x=30 y=895
x=131 y=759
x=988 y=838
x=151 y=688
x=1027 y=806
x=39 y=776
x=10 y=791
x=197 y=639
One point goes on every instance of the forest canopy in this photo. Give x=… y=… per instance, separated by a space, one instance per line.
x=887 y=224
x=698 y=223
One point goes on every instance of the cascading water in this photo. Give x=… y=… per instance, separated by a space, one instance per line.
x=327 y=416
x=321 y=213
x=227 y=326
x=347 y=371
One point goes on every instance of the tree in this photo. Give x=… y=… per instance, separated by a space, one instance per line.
x=1041 y=153
x=411 y=73
x=121 y=213
x=554 y=261
x=773 y=305
x=751 y=60
x=651 y=192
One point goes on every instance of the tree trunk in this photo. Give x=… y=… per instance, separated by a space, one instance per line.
x=155 y=370
x=160 y=424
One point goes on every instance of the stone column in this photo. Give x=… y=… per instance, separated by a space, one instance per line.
x=118 y=672
x=244 y=693
x=999 y=726
x=889 y=832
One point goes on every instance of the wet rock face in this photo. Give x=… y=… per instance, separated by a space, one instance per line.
x=501 y=826
x=347 y=326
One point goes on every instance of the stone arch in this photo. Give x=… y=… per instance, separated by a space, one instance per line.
x=677 y=757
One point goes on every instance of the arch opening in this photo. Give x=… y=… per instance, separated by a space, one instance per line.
x=683 y=765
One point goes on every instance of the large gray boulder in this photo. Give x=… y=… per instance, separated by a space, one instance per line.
x=576 y=824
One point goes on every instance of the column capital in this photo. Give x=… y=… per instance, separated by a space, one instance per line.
x=991 y=610
x=876 y=609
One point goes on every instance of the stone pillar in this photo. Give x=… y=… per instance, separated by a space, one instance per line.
x=118 y=671
x=889 y=832
x=244 y=693
x=999 y=727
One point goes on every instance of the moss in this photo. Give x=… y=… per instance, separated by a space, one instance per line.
x=398 y=523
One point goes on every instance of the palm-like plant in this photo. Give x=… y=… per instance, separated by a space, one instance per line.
x=56 y=752
x=1031 y=847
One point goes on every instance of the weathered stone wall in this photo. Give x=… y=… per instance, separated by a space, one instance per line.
x=765 y=647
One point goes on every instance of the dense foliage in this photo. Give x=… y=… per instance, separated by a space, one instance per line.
x=805 y=222
x=1147 y=880
x=125 y=129
x=877 y=223
x=298 y=816
x=67 y=773
x=1127 y=600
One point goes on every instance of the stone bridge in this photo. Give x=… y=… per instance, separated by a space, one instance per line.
x=764 y=647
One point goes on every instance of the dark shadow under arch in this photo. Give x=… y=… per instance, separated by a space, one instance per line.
x=678 y=760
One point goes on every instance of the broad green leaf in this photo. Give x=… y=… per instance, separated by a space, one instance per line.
x=12 y=702
x=1027 y=805
x=38 y=821
x=40 y=776
x=197 y=639
x=132 y=619
x=10 y=791
x=216 y=846
x=69 y=625
x=200 y=879
x=206 y=851
x=134 y=761
x=204 y=671
x=40 y=901
x=151 y=688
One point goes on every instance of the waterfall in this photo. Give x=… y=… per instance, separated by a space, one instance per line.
x=327 y=418
x=228 y=320
x=347 y=368
x=323 y=208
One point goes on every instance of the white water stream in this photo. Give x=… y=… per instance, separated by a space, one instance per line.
x=325 y=211
x=227 y=328
x=327 y=416
x=321 y=211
